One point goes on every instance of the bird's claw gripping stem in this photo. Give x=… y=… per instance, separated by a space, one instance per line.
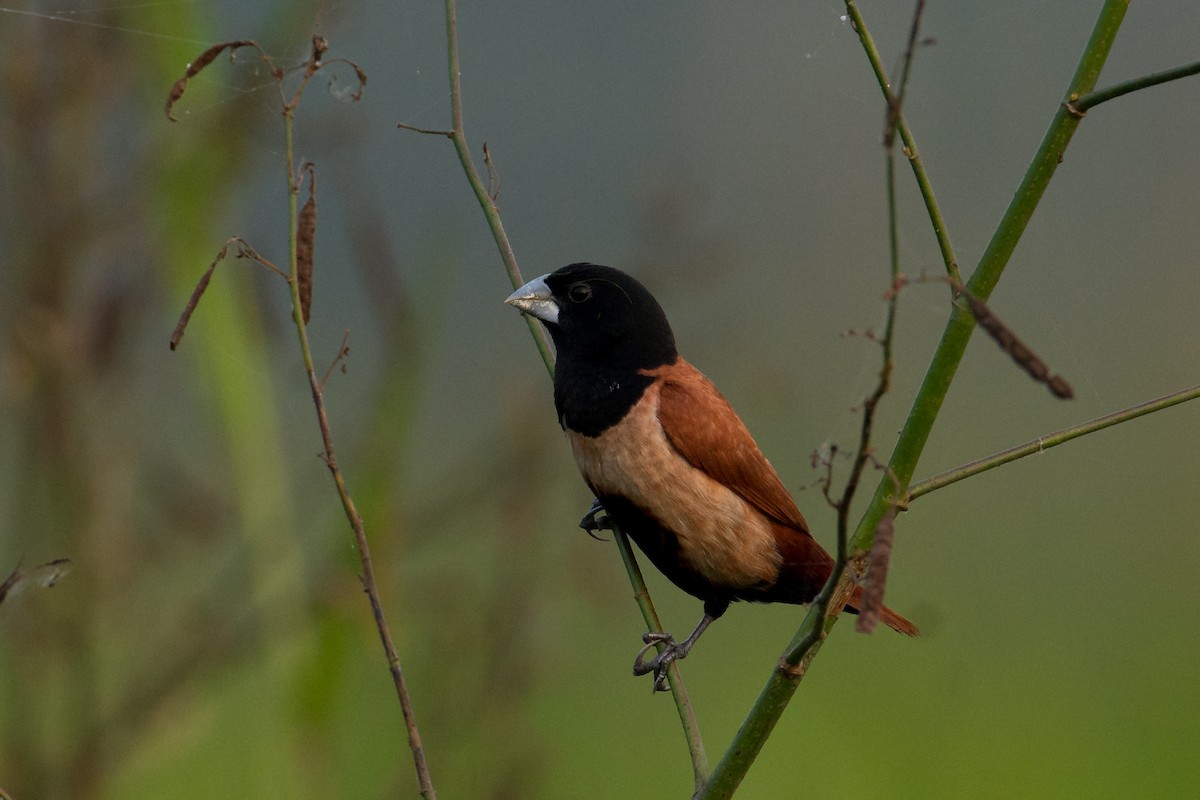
x=661 y=662
x=596 y=519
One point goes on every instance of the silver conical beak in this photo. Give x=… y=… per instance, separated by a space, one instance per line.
x=536 y=300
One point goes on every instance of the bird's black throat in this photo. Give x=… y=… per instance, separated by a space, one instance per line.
x=608 y=331
x=591 y=400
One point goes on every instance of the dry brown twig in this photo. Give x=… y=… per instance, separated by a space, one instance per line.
x=302 y=233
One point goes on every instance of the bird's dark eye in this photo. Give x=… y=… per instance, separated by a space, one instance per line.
x=579 y=293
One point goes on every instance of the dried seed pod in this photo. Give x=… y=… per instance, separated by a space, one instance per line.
x=1017 y=350
x=306 y=229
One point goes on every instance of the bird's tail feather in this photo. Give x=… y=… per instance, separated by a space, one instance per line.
x=898 y=623
x=886 y=615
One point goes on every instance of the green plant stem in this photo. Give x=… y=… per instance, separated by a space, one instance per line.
x=961 y=324
x=786 y=676
x=458 y=135
x=687 y=716
x=642 y=596
x=1093 y=99
x=369 y=583
x=1043 y=443
x=915 y=161
x=810 y=641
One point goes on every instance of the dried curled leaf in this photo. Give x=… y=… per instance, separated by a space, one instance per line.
x=306 y=230
x=197 y=293
x=316 y=60
x=244 y=251
x=361 y=77
x=203 y=60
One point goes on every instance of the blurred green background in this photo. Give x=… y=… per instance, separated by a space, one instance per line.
x=212 y=639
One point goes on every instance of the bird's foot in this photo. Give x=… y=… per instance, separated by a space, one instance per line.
x=596 y=519
x=659 y=665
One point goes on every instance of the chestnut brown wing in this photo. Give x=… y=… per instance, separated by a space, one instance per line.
x=704 y=428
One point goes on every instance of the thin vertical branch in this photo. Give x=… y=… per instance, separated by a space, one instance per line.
x=896 y=103
x=301 y=229
x=797 y=656
x=910 y=143
x=370 y=585
x=690 y=730
x=457 y=134
x=800 y=652
x=491 y=212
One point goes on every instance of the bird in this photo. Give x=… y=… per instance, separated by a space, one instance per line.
x=668 y=459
